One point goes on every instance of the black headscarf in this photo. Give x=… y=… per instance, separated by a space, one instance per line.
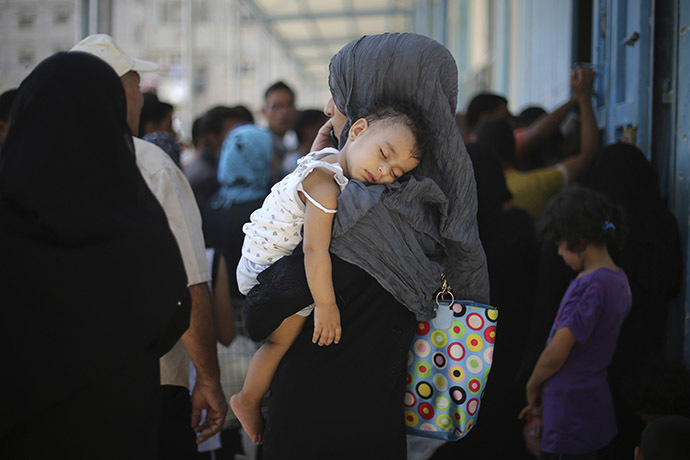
x=90 y=273
x=492 y=191
x=405 y=234
x=652 y=255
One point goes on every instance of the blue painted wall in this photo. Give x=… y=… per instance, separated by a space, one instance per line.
x=681 y=185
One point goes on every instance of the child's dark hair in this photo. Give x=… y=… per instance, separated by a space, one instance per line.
x=411 y=116
x=581 y=216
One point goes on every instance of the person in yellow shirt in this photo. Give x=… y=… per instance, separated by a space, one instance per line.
x=532 y=189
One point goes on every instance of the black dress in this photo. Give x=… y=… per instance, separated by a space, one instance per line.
x=343 y=401
x=90 y=274
x=511 y=248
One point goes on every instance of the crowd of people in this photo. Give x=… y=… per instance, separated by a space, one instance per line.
x=149 y=286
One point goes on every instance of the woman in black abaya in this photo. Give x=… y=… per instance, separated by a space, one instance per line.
x=90 y=275
x=512 y=250
x=390 y=244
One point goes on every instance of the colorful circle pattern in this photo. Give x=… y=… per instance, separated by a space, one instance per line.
x=422 y=348
x=457 y=330
x=457 y=373
x=439 y=360
x=424 y=390
x=474 y=342
x=439 y=339
x=422 y=369
x=447 y=371
x=490 y=334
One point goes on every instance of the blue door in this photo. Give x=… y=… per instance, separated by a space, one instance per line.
x=623 y=32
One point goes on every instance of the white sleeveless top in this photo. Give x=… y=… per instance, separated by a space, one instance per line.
x=275 y=229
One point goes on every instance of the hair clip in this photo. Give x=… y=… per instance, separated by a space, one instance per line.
x=608 y=225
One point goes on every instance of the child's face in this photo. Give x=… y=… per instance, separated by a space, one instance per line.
x=378 y=152
x=574 y=260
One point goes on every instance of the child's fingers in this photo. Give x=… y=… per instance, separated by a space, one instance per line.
x=523 y=413
x=338 y=333
x=327 y=336
x=528 y=410
x=317 y=333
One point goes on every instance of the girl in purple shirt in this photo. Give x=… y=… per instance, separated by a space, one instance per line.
x=568 y=386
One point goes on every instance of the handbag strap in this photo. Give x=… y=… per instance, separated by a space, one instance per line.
x=446 y=290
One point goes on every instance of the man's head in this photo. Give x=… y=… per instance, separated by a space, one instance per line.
x=126 y=67
x=486 y=106
x=384 y=145
x=218 y=121
x=279 y=108
x=156 y=116
x=6 y=101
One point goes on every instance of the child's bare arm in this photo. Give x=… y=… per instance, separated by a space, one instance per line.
x=317 y=261
x=550 y=361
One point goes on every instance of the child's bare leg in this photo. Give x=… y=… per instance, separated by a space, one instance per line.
x=246 y=404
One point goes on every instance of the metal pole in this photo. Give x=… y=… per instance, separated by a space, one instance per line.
x=93 y=17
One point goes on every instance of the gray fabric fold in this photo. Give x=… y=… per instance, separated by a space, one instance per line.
x=406 y=234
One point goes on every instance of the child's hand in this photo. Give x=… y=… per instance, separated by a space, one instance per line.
x=326 y=325
x=534 y=404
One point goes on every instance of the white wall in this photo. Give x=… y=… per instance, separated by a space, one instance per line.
x=541 y=53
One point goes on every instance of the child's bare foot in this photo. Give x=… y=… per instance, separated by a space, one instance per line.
x=249 y=416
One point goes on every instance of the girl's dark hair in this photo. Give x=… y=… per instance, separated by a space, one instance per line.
x=581 y=216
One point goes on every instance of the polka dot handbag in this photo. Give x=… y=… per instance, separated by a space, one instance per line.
x=447 y=369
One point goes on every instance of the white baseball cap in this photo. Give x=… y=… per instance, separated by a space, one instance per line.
x=103 y=46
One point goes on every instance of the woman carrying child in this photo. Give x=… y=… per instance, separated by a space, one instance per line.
x=569 y=383
x=381 y=147
x=389 y=245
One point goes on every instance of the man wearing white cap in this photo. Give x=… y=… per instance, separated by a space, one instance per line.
x=172 y=190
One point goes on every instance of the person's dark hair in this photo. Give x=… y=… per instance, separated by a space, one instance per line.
x=307 y=118
x=481 y=104
x=497 y=136
x=243 y=114
x=196 y=130
x=581 y=216
x=214 y=118
x=529 y=115
x=411 y=116
x=6 y=101
x=279 y=85
x=666 y=438
x=153 y=110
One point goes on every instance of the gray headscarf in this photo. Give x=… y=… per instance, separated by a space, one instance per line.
x=407 y=233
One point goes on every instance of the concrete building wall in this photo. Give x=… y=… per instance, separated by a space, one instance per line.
x=229 y=60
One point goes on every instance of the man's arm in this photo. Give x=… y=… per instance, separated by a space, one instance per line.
x=589 y=137
x=222 y=305
x=542 y=129
x=175 y=196
x=200 y=343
